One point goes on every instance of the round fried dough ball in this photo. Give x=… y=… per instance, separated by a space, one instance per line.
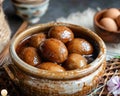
x=54 y=50
x=51 y=67
x=30 y=56
x=80 y=46
x=75 y=61
x=36 y=39
x=62 y=33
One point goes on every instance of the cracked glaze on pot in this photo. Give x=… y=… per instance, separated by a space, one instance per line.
x=38 y=82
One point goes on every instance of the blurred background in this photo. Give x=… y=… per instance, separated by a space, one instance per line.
x=56 y=9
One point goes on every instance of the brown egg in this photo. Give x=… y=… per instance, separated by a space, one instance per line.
x=30 y=56
x=75 y=61
x=118 y=21
x=108 y=24
x=112 y=13
x=54 y=50
x=80 y=46
x=62 y=33
x=36 y=39
x=51 y=67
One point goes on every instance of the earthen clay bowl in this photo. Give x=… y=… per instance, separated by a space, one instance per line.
x=105 y=34
x=38 y=82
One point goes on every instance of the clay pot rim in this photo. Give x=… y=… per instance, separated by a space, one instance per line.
x=99 y=13
x=78 y=73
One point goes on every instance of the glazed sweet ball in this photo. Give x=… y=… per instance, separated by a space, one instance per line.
x=75 y=61
x=80 y=46
x=51 y=67
x=36 y=39
x=30 y=56
x=54 y=50
x=61 y=33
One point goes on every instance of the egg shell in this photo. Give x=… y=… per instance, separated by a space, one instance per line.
x=112 y=13
x=109 y=24
x=118 y=21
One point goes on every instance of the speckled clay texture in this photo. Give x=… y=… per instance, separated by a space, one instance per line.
x=37 y=82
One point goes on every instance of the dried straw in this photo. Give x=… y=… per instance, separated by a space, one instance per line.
x=113 y=66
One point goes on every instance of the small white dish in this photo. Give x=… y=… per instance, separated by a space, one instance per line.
x=31 y=11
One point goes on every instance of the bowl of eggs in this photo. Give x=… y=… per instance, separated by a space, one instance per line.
x=57 y=59
x=107 y=24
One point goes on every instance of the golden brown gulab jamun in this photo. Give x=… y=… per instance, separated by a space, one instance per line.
x=80 y=46
x=36 y=39
x=30 y=56
x=75 y=61
x=51 y=67
x=54 y=50
x=62 y=33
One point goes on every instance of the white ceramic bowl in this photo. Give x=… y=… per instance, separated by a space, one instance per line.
x=31 y=10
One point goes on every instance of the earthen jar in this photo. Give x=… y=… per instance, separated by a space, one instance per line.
x=37 y=82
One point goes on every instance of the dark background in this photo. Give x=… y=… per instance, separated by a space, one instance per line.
x=58 y=8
